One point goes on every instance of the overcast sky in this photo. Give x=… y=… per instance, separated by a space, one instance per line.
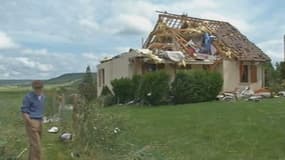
x=43 y=39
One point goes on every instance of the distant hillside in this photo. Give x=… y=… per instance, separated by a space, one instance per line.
x=63 y=79
x=10 y=82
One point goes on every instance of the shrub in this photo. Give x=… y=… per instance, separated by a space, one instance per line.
x=155 y=88
x=137 y=81
x=96 y=128
x=124 y=89
x=196 y=86
x=150 y=88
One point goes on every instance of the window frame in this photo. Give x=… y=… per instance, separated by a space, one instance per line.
x=250 y=71
x=244 y=72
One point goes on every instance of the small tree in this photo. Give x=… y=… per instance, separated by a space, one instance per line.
x=87 y=88
x=274 y=76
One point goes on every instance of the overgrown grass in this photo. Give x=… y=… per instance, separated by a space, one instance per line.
x=13 y=134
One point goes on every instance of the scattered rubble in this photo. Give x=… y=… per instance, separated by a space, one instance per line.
x=65 y=136
x=227 y=96
x=246 y=93
x=281 y=93
x=53 y=130
x=255 y=98
x=264 y=92
x=50 y=120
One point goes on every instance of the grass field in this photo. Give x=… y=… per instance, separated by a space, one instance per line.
x=213 y=130
x=13 y=135
x=202 y=131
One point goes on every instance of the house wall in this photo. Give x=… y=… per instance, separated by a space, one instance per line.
x=197 y=66
x=115 y=69
x=231 y=75
x=260 y=78
x=171 y=70
x=122 y=67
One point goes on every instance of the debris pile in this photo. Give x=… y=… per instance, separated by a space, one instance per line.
x=245 y=93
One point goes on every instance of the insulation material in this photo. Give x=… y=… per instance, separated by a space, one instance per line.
x=175 y=56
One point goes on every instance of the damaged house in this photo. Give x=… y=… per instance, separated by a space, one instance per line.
x=180 y=42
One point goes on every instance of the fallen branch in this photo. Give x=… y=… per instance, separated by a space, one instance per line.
x=21 y=153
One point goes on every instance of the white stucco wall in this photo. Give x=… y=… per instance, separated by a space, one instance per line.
x=171 y=70
x=231 y=74
x=115 y=69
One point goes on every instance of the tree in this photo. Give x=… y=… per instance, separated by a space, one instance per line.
x=282 y=70
x=271 y=74
x=87 y=88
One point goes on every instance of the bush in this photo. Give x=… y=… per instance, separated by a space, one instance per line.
x=196 y=86
x=97 y=129
x=137 y=81
x=150 y=88
x=124 y=89
x=154 y=88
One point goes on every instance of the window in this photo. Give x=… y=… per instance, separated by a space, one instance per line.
x=248 y=71
x=244 y=73
x=101 y=77
x=253 y=74
x=149 y=67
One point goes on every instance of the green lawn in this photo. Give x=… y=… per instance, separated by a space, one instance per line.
x=213 y=130
x=203 y=131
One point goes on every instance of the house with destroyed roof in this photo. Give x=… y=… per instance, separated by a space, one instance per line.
x=180 y=42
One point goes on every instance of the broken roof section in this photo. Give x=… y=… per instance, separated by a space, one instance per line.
x=190 y=35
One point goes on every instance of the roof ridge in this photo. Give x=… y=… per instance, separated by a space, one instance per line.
x=166 y=14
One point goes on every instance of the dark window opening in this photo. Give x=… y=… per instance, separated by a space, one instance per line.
x=248 y=73
x=253 y=74
x=148 y=67
x=244 y=73
x=101 y=77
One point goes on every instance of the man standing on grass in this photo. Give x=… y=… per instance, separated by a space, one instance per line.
x=32 y=110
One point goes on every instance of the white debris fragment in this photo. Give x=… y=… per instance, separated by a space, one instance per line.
x=281 y=93
x=65 y=136
x=53 y=130
x=117 y=130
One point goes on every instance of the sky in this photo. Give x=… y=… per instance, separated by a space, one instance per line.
x=44 y=39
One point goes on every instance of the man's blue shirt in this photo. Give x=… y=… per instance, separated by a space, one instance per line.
x=33 y=105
